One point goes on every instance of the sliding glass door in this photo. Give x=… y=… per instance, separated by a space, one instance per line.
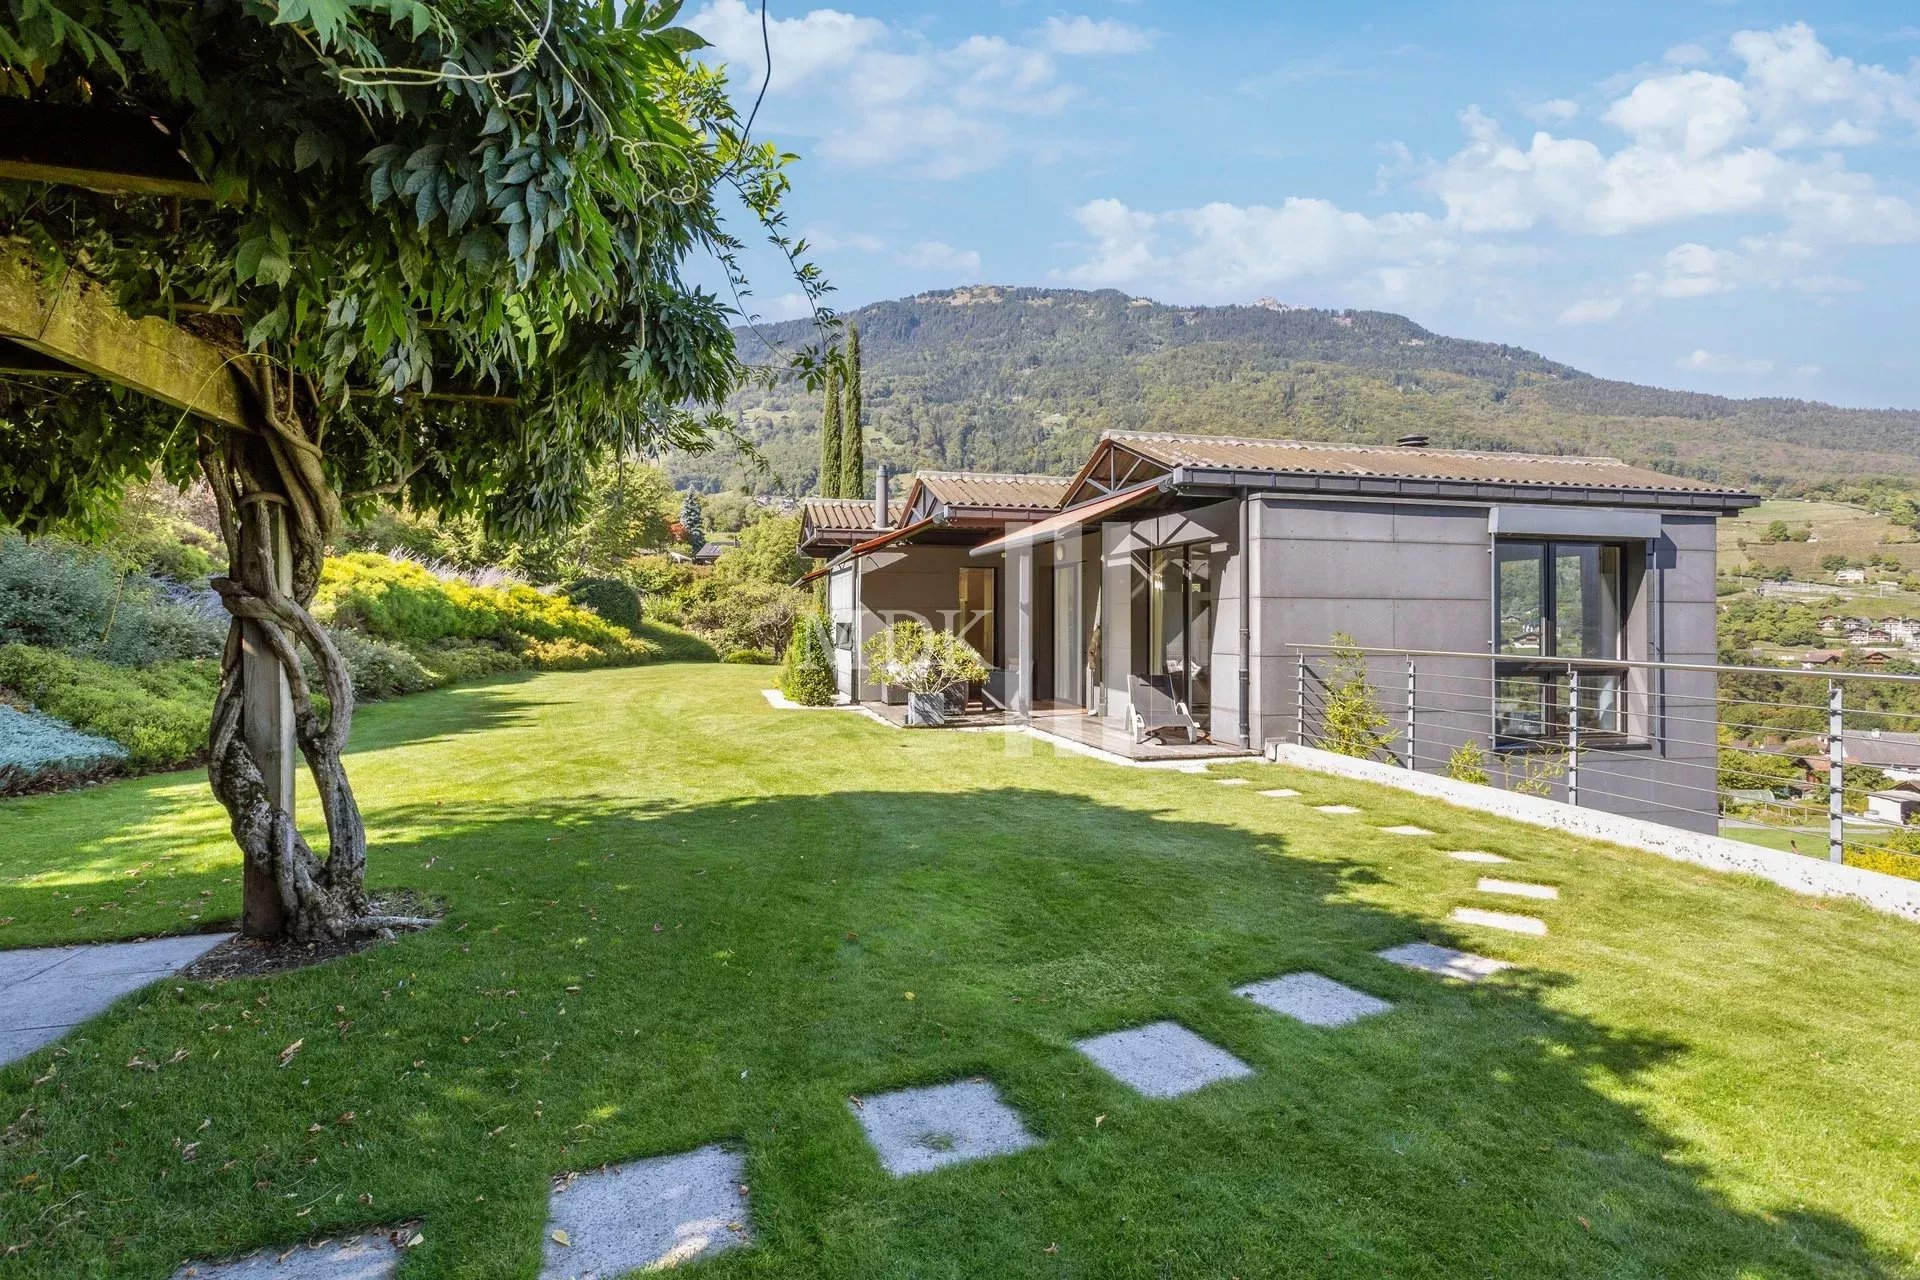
x=1070 y=681
x=1173 y=622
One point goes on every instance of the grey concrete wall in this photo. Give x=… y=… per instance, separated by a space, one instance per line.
x=921 y=582
x=1407 y=576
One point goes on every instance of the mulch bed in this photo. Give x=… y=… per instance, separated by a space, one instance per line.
x=247 y=958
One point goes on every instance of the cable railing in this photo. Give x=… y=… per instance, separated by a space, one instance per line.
x=1687 y=744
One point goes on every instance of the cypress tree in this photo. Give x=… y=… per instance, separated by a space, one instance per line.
x=853 y=454
x=691 y=520
x=830 y=438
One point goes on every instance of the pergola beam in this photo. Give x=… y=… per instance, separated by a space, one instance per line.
x=77 y=325
x=24 y=362
x=115 y=152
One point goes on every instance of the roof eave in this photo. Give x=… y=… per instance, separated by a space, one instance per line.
x=1718 y=503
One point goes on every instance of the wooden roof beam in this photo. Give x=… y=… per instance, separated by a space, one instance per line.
x=24 y=362
x=77 y=325
x=115 y=152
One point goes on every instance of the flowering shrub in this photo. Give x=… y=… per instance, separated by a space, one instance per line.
x=910 y=655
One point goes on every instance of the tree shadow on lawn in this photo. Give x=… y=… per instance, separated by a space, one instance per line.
x=617 y=981
x=163 y=841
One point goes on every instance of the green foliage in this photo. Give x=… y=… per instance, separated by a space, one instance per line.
x=410 y=196
x=1755 y=771
x=157 y=713
x=806 y=675
x=744 y=614
x=853 y=449
x=768 y=551
x=1352 y=723
x=830 y=436
x=675 y=645
x=378 y=669
x=1902 y=861
x=60 y=596
x=1468 y=763
x=750 y=658
x=912 y=656
x=1754 y=620
x=611 y=598
x=1534 y=773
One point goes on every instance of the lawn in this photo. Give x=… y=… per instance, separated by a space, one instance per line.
x=676 y=916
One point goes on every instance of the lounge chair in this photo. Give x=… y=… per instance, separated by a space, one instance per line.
x=1153 y=708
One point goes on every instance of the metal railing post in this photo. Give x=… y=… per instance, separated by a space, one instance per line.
x=1573 y=735
x=1413 y=737
x=1836 y=772
x=1300 y=702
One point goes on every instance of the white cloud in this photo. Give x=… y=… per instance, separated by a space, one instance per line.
x=1593 y=310
x=1700 y=360
x=1552 y=111
x=881 y=96
x=1080 y=36
x=938 y=255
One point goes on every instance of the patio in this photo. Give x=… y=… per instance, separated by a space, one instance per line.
x=1077 y=728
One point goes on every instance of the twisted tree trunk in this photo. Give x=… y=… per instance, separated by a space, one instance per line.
x=277 y=512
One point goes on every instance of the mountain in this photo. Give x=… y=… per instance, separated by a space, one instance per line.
x=1019 y=379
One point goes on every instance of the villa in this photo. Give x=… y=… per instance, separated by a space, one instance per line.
x=1208 y=569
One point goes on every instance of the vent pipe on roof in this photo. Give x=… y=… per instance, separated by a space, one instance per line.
x=880 y=479
x=1412 y=442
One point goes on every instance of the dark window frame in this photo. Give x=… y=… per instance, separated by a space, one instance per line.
x=1551 y=673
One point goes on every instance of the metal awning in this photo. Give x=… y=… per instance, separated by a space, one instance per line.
x=871 y=545
x=1074 y=517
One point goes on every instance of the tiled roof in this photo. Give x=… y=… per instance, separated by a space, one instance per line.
x=843 y=515
x=986 y=489
x=1400 y=463
x=1887 y=751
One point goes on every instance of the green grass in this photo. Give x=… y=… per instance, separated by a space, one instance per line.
x=677 y=916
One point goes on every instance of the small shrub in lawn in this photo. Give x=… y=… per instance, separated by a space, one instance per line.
x=468 y=659
x=806 y=676
x=158 y=713
x=36 y=749
x=611 y=598
x=749 y=658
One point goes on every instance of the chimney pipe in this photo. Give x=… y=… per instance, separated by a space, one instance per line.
x=1412 y=442
x=880 y=497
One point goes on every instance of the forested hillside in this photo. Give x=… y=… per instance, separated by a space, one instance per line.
x=1026 y=379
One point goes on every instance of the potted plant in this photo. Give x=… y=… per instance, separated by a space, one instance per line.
x=925 y=663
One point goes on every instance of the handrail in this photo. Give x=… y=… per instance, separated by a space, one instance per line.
x=1614 y=664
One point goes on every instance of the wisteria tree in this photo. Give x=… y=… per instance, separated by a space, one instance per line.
x=446 y=249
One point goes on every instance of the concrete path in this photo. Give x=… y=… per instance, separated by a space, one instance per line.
x=46 y=990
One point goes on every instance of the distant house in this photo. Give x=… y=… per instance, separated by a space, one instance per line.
x=1895 y=754
x=713 y=549
x=1832 y=625
x=1869 y=635
x=1849 y=577
x=1813 y=658
x=1875 y=658
x=1896 y=805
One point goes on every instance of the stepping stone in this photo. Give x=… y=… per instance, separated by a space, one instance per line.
x=1231 y=782
x=1281 y=793
x=1313 y=999
x=917 y=1130
x=1336 y=808
x=374 y=1255
x=646 y=1215
x=1519 y=889
x=1406 y=829
x=1162 y=1059
x=1500 y=920
x=45 y=991
x=1445 y=961
x=1475 y=855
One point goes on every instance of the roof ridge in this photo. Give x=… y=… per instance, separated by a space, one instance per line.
x=1295 y=442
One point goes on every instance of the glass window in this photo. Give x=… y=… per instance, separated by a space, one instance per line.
x=1522 y=598
x=975 y=623
x=1557 y=600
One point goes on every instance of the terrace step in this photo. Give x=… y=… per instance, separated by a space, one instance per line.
x=1519 y=889
x=1475 y=855
x=918 y=1130
x=371 y=1255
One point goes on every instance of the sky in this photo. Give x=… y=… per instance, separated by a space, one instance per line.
x=1720 y=195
